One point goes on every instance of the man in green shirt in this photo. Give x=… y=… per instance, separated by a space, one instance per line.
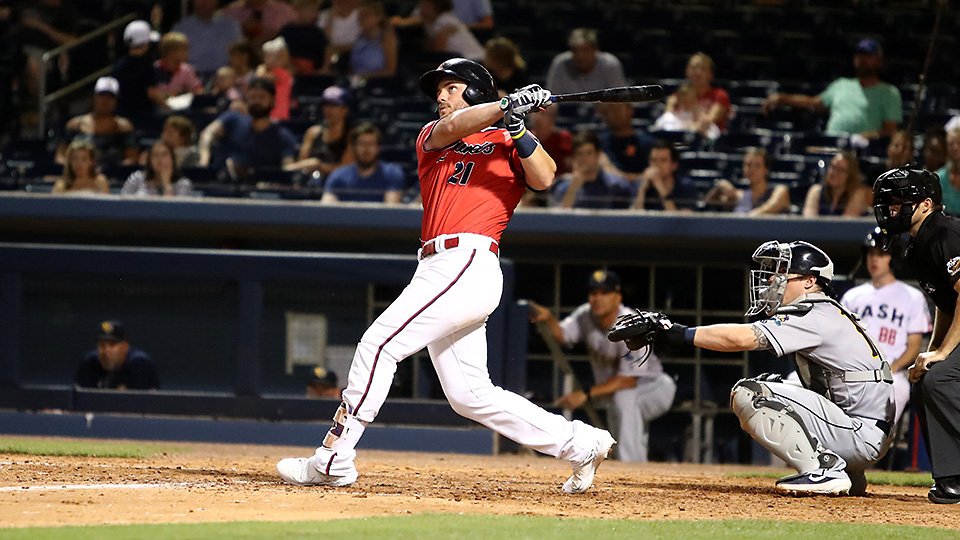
x=863 y=105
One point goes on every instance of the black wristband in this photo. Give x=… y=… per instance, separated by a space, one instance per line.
x=587 y=392
x=676 y=335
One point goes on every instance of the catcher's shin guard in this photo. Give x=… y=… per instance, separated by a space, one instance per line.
x=774 y=425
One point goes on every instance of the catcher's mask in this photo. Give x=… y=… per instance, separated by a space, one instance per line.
x=777 y=260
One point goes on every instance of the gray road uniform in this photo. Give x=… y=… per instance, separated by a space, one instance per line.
x=633 y=408
x=846 y=404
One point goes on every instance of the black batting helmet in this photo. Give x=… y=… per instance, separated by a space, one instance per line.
x=481 y=88
x=904 y=187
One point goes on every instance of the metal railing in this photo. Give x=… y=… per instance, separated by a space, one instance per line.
x=44 y=101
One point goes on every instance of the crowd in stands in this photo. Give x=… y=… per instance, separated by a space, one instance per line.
x=317 y=99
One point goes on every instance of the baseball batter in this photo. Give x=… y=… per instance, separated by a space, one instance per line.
x=894 y=313
x=835 y=425
x=638 y=390
x=472 y=176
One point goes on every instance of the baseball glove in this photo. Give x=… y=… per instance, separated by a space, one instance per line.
x=640 y=329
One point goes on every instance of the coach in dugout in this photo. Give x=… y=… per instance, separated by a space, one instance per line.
x=863 y=105
x=911 y=201
x=115 y=365
x=638 y=391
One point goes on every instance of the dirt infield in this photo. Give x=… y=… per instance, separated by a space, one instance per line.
x=230 y=482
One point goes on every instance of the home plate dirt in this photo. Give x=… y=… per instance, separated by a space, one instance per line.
x=207 y=482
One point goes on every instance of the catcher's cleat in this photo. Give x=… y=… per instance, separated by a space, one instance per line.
x=583 y=472
x=830 y=479
x=302 y=472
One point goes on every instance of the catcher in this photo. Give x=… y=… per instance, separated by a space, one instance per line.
x=838 y=423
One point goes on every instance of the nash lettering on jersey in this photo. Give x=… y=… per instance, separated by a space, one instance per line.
x=883 y=311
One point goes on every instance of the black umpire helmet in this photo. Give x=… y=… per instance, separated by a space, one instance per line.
x=481 y=88
x=906 y=187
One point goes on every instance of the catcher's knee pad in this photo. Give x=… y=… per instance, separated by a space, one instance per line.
x=344 y=423
x=775 y=425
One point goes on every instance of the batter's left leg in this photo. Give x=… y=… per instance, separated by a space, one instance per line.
x=460 y=360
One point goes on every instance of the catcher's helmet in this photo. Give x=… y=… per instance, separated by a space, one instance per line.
x=481 y=88
x=905 y=188
x=777 y=260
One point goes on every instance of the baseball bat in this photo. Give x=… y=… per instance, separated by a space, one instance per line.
x=620 y=94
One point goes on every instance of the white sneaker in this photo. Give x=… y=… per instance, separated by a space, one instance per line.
x=829 y=479
x=301 y=472
x=583 y=472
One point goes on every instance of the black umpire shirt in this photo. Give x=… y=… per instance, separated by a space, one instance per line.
x=935 y=257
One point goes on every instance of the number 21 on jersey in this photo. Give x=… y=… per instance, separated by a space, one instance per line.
x=461 y=173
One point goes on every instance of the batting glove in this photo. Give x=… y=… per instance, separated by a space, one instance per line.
x=526 y=99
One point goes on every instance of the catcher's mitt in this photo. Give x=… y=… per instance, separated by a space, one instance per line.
x=639 y=330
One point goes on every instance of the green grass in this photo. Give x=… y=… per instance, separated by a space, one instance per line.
x=473 y=527
x=876 y=478
x=38 y=447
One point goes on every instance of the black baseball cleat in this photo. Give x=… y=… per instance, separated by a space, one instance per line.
x=945 y=490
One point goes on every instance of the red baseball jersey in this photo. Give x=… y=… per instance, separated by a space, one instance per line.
x=471 y=186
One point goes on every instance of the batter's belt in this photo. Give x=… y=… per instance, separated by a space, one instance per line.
x=445 y=242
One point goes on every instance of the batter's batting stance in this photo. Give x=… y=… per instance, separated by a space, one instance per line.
x=838 y=423
x=472 y=176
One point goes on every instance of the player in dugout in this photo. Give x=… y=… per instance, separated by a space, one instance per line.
x=834 y=426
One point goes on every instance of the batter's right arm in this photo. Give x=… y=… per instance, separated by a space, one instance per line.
x=459 y=124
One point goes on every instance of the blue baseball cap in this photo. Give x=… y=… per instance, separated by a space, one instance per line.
x=604 y=279
x=869 y=46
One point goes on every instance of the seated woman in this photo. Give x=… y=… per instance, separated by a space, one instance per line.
x=710 y=105
x=375 y=51
x=80 y=175
x=161 y=176
x=326 y=146
x=760 y=198
x=841 y=192
x=502 y=58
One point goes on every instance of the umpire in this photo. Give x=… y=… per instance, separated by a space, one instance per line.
x=911 y=200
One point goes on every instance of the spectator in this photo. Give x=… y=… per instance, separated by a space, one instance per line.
x=135 y=73
x=174 y=76
x=660 y=189
x=712 y=104
x=899 y=154
x=305 y=40
x=589 y=186
x=446 y=33
x=161 y=178
x=636 y=389
x=760 y=198
x=841 y=193
x=950 y=174
x=584 y=67
x=178 y=134
x=625 y=149
x=210 y=34
x=863 y=105
x=44 y=25
x=375 y=51
x=261 y=20
x=502 y=58
x=276 y=67
x=326 y=146
x=251 y=140
x=112 y=135
x=934 y=149
x=323 y=384
x=80 y=175
x=683 y=115
x=557 y=142
x=115 y=364
x=367 y=179
x=244 y=59
x=341 y=23
x=476 y=14
x=226 y=89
